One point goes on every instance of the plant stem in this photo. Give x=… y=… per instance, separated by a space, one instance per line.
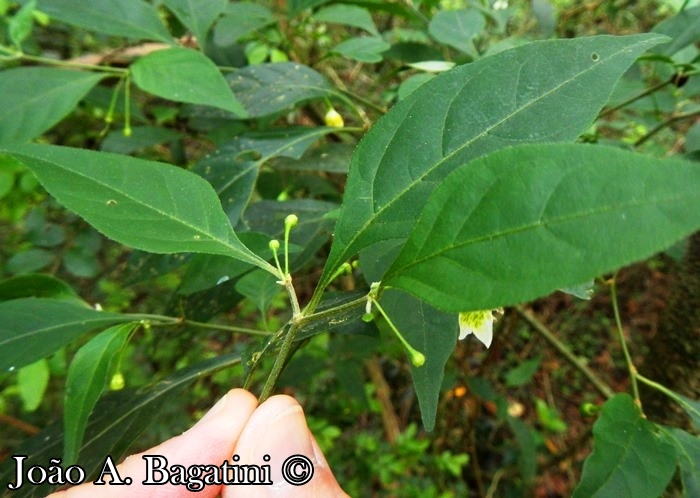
x=227 y=328
x=621 y=335
x=639 y=96
x=542 y=329
x=56 y=62
x=668 y=122
x=667 y=392
x=280 y=361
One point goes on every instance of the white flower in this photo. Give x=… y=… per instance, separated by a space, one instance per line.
x=500 y=5
x=479 y=323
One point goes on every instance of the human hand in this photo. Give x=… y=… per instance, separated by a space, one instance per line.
x=236 y=425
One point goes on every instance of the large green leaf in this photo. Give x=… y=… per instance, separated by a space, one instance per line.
x=143 y=204
x=266 y=89
x=540 y=92
x=128 y=18
x=33 y=99
x=433 y=333
x=630 y=458
x=197 y=15
x=117 y=421
x=684 y=28
x=524 y=221
x=185 y=75
x=87 y=377
x=32 y=328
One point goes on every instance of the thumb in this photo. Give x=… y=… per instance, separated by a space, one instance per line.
x=277 y=435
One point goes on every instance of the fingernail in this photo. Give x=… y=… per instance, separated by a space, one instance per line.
x=285 y=435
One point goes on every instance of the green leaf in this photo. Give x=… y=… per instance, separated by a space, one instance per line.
x=467 y=112
x=524 y=221
x=141 y=137
x=457 y=28
x=32 y=381
x=523 y=373
x=20 y=26
x=688 y=455
x=197 y=15
x=240 y=19
x=684 y=28
x=296 y=6
x=88 y=374
x=692 y=408
x=29 y=261
x=185 y=75
x=134 y=19
x=143 y=204
x=33 y=99
x=266 y=89
x=35 y=285
x=116 y=423
x=433 y=333
x=630 y=457
x=347 y=15
x=32 y=328
x=364 y=49
x=527 y=456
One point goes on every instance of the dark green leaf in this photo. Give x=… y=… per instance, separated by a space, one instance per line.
x=185 y=75
x=630 y=456
x=197 y=15
x=523 y=373
x=433 y=333
x=144 y=204
x=457 y=28
x=296 y=6
x=88 y=374
x=266 y=89
x=330 y=157
x=116 y=422
x=35 y=285
x=519 y=223
x=527 y=456
x=29 y=261
x=33 y=99
x=140 y=138
x=240 y=19
x=692 y=408
x=128 y=18
x=32 y=328
x=364 y=49
x=466 y=112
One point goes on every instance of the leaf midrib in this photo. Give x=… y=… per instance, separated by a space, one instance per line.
x=539 y=224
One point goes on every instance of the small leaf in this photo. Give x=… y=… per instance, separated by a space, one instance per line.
x=134 y=19
x=457 y=28
x=240 y=19
x=33 y=328
x=33 y=99
x=364 y=49
x=35 y=285
x=32 y=381
x=524 y=221
x=197 y=15
x=630 y=456
x=144 y=204
x=141 y=137
x=523 y=373
x=21 y=23
x=692 y=408
x=347 y=15
x=266 y=89
x=185 y=75
x=87 y=377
